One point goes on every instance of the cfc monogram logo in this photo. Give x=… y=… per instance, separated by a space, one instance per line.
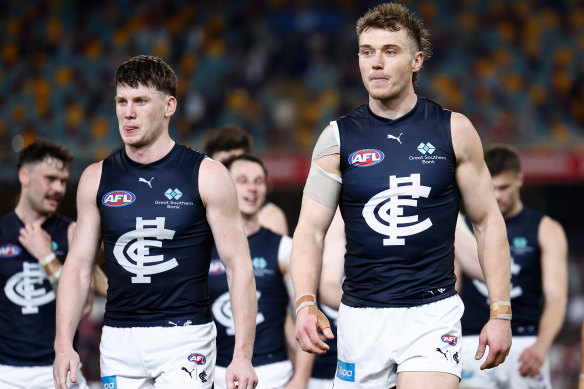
x=22 y=289
x=135 y=245
x=389 y=204
x=222 y=314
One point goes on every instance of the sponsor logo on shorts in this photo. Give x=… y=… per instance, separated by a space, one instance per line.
x=197 y=358
x=466 y=374
x=345 y=371
x=189 y=372
x=366 y=157
x=9 y=250
x=450 y=339
x=216 y=267
x=118 y=198
x=109 y=382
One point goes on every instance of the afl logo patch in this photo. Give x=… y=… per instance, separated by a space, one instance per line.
x=366 y=157
x=199 y=359
x=9 y=250
x=216 y=267
x=118 y=198
x=450 y=339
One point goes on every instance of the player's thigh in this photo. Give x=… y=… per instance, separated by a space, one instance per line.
x=472 y=375
x=516 y=381
x=426 y=380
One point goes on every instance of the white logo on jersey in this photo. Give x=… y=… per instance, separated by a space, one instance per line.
x=392 y=212
x=21 y=290
x=514 y=292
x=138 y=251
x=389 y=136
x=146 y=181
x=222 y=313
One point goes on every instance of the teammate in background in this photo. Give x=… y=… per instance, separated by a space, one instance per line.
x=34 y=241
x=539 y=286
x=403 y=163
x=229 y=141
x=270 y=254
x=158 y=206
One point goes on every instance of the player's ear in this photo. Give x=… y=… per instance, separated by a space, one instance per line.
x=170 y=107
x=23 y=176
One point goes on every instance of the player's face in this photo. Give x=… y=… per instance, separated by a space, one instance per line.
x=142 y=114
x=44 y=185
x=386 y=60
x=250 y=182
x=507 y=186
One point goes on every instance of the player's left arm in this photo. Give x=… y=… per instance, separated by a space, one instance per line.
x=554 y=269
x=476 y=188
x=220 y=199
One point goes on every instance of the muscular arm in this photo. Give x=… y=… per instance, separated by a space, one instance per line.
x=554 y=268
x=76 y=276
x=220 y=199
x=476 y=188
x=333 y=263
x=465 y=253
x=307 y=249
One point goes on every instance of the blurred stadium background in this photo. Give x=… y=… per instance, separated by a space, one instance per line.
x=282 y=69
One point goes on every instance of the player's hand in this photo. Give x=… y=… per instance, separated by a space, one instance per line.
x=309 y=322
x=497 y=335
x=35 y=240
x=532 y=359
x=65 y=361
x=296 y=383
x=240 y=374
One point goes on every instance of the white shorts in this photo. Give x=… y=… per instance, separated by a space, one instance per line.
x=375 y=344
x=158 y=357
x=506 y=375
x=319 y=383
x=34 y=377
x=271 y=376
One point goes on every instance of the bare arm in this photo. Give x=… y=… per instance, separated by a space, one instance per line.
x=554 y=268
x=465 y=250
x=307 y=250
x=76 y=276
x=220 y=199
x=476 y=189
x=333 y=263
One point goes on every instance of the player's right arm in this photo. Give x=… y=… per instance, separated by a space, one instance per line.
x=319 y=202
x=76 y=276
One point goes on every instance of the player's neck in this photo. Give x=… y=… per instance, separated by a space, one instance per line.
x=251 y=224
x=151 y=152
x=395 y=107
x=27 y=215
x=514 y=211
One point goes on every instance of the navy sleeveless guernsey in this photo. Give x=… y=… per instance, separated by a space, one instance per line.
x=400 y=200
x=526 y=284
x=325 y=365
x=157 y=240
x=273 y=301
x=27 y=300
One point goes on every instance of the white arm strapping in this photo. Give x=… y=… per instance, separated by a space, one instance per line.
x=322 y=186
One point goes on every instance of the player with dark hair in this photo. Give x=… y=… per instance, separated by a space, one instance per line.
x=231 y=140
x=398 y=167
x=158 y=206
x=270 y=254
x=34 y=241
x=539 y=286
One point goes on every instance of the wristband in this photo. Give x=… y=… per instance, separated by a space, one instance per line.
x=501 y=310
x=305 y=300
x=47 y=259
x=52 y=266
x=582 y=376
